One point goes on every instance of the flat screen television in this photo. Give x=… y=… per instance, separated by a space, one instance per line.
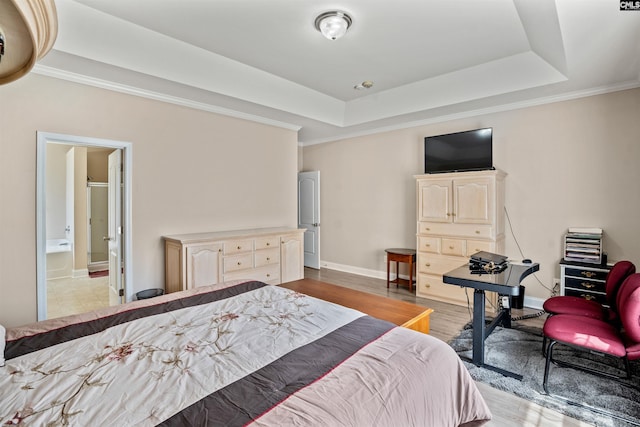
x=457 y=152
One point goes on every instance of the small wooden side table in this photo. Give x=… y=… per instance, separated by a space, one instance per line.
x=401 y=255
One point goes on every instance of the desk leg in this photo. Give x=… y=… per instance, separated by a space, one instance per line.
x=478 y=327
x=480 y=330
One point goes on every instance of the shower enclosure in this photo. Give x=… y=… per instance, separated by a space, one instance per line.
x=97 y=245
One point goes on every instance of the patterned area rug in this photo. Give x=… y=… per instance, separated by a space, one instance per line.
x=520 y=351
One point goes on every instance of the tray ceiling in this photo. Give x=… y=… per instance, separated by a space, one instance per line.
x=429 y=60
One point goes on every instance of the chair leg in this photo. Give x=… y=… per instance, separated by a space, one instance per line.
x=544 y=339
x=583 y=368
x=547 y=365
x=627 y=366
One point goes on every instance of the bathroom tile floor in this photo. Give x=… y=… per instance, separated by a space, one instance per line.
x=76 y=295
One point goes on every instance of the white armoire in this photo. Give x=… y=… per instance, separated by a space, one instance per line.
x=458 y=214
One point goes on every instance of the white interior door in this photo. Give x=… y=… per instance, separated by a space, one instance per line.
x=309 y=216
x=114 y=238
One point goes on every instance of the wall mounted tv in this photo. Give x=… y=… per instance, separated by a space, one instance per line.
x=457 y=152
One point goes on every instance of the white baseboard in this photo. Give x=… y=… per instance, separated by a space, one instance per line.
x=80 y=273
x=529 y=302
x=358 y=270
x=98 y=266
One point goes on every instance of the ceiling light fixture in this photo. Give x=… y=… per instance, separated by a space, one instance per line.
x=367 y=84
x=333 y=24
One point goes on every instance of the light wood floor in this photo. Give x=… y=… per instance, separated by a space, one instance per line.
x=446 y=322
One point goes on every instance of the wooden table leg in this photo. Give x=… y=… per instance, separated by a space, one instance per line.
x=397 y=273
x=388 y=271
x=410 y=274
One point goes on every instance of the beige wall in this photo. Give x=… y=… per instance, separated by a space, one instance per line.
x=98 y=164
x=192 y=171
x=572 y=163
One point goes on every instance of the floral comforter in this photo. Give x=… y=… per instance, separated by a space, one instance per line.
x=248 y=353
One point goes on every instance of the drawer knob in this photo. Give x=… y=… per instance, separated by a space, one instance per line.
x=428 y=229
x=477 y=231
x=428 y=264
x=588 y=297
x=268 y=259
x=588 y=274
x=451 y=247
x=239 y=247
x=268 y=244
x=427 y=245
x=268 y=275
x=239 y=263
x=588 y=285
x=426 y=285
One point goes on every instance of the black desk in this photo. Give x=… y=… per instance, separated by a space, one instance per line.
x=504 y=283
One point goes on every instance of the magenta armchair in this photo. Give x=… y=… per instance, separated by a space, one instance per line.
x=597 y=335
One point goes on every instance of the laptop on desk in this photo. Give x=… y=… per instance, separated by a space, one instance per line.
x=484 y=257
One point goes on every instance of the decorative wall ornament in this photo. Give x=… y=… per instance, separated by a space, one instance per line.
x=28 y=29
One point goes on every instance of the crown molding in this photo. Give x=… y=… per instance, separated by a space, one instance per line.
x=130 y=90
x=479 y=112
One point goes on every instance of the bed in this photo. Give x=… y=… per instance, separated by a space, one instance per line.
x=243 y=353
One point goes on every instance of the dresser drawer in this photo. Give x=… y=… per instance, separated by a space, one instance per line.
x=267 y=242
x=267 y=257
x=429 y=244
x=238 y=246
x=584 y=284
x=601 y=298
x=455 y=247
x=437 y=264
x=586 y=273
x=481 y=231
x=269 y=274
x=432 y=286
x=237 y=262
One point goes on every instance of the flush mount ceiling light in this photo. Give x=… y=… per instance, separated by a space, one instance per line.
x=333 y=24
x=367 y=84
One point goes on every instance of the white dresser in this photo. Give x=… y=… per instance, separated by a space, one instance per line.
x=271 y=255
x=458 y=214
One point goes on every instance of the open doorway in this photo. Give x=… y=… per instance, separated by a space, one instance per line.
x=68 y=166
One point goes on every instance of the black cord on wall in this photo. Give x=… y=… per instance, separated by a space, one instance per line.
x=515 y=239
